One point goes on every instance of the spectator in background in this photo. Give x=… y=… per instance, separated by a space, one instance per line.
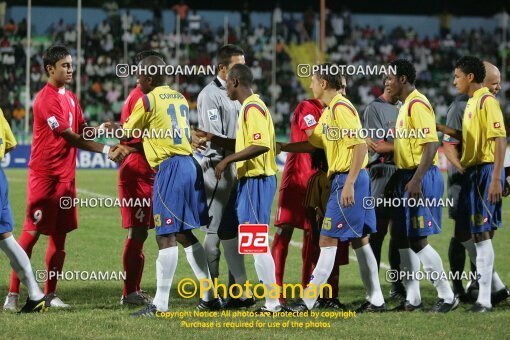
x=181 y=10
x=194 y=21
x=445 y=22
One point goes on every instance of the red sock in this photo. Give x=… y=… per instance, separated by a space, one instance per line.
x=55 y=256
x=27 y=242
x=310 y=255
x=279 y=251
x=142 y=256
x=132 y=259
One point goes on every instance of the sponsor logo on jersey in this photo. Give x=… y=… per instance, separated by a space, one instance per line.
x=497 y=125
x=309 y=120
x=52 y=122
x=257 y=136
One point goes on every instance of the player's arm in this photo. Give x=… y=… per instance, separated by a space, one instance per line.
x=250 y=152
x=452 y=154
x=116 y=153
x=422 y=119
x=381 y=146
x=199 y=138
x=297 y=147
x=496 y=131
x=359 y=152
x=457 y=134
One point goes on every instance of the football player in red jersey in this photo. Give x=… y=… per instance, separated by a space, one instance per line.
x=58 y=124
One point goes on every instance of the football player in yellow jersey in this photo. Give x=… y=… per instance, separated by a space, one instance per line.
x=483 y=138
x=346 y=219
x=417 y=178
x=36 y=301
x=255 y=158
x=179 y=203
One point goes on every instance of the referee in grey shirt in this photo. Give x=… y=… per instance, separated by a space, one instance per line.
x=381 y=116
x=218 y=114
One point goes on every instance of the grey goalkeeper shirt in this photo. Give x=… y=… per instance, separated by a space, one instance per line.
x=217 y=114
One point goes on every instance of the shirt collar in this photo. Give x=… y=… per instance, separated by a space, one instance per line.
x=480 y=92
x=223 y=82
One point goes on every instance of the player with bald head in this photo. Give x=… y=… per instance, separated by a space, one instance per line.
x=492 y=79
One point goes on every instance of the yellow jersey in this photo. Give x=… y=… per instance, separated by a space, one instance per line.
x=161 y=119
x=255 y=127
x=329 y=134
x=416 y=126
x=7 y=140
x=482 y=122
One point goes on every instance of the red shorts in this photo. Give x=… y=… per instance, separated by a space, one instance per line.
x=49 y=206
x=136 y=179
x=136 y=216
x=290 y=209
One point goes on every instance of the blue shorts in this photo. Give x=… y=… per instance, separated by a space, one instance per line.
x=6 y=221
x=424 y=220
x=179 y=201
x=352 y=222
x=483 y=215
x=255 y=199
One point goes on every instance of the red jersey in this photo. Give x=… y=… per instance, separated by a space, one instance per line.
x=135 y=166
x=298 y=166
x=55 y=110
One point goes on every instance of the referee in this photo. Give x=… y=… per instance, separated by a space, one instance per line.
x=218 y=114
x=381 y=115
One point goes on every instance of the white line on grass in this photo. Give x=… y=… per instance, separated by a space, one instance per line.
x=292 y=243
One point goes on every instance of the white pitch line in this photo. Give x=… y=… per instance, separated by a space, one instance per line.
x=292 y=243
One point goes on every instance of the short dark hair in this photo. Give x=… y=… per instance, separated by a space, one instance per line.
x=470 y=64
x=159 y=78
x=405 y=68
x=334 y=79
x=144 y=54
x=242 y=73
x=226 y=52
x=53 y=54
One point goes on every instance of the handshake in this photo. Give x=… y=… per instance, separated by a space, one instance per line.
x=199 y=139
x=119 y=152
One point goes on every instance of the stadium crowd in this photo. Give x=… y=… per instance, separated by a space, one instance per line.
x=103 y=47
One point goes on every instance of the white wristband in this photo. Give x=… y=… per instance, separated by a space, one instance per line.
x=106 y=149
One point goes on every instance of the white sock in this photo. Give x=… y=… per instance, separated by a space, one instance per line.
x=235 y=262
x=497 y=284
x=471 y=250
x=432 y=263
x=321 y=273
x=484 y=267
x=195 y=255
x=410 y=263
x=264 y=265
x=213 y=253
x=369 y=274
x=166 y=263
x=21 y=265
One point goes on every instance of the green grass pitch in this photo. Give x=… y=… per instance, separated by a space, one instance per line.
x=98 y=244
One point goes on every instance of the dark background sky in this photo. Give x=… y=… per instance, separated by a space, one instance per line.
x=424 y=7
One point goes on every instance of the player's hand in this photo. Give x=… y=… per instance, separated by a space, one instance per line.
x=119 y=152
x=220 y=167
x=413 y=187
x=495 y=192
x=347 y=197
x=198 y=140
x=371 y=145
